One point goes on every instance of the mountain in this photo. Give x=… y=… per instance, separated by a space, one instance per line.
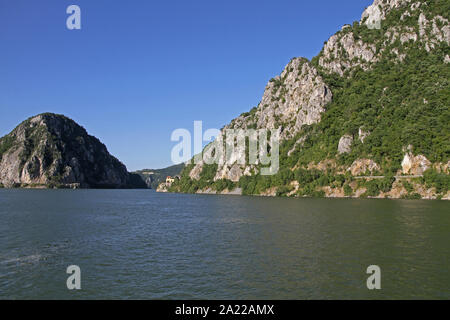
x=153 y=177
x=367 y=117
x=50 y=150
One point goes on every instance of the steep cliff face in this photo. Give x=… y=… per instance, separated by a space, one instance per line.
x=373 y=101
x=386 y=28
x=291 y=100
x=295 y=98
x=53 y=151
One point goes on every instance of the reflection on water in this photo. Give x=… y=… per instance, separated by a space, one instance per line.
x=140 y=244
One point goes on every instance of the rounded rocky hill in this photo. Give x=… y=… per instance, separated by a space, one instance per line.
x=50 y=150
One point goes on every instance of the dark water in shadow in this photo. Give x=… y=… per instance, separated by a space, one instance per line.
x=145 y=245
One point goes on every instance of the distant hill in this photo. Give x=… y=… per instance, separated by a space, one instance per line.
x=153 y=177
x=53 y=151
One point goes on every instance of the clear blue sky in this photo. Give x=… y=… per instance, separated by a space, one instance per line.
x=137 y=70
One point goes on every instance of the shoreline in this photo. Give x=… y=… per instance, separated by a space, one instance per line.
x=447 y=198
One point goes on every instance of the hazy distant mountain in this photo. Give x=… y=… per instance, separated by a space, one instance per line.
x=375 y=102
x=153 y=177
x=51 y=150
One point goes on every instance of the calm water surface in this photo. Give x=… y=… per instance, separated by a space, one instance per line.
x=144 y=245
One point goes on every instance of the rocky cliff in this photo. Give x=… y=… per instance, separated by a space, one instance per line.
x=368 y=116
x=51 y=150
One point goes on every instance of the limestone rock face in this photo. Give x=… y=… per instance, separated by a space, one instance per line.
x=379 y=8
x=415 y=165
x=439 y=31
x=372 y=16
x=196 y=171
x=356 y=53
x=295 y=98
x=361 y=166
x=52 y=150
x=345 y=51
x=299 y=96
x=345 y=144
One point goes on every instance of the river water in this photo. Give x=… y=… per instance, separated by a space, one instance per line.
x=138 y=244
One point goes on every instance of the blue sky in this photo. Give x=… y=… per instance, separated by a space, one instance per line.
x=137 y=70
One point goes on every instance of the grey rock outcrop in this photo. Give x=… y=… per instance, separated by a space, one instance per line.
x=378 y=10
x=345 y=144
x=295 y=98
x=415 y=165
x=344 y=52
